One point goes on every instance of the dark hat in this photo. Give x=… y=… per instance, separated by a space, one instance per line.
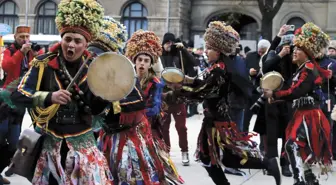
x=184 y=43
x=168 y=37
x=247 y=49
x=191 y=44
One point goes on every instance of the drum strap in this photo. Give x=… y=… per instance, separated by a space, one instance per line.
x=146 y=92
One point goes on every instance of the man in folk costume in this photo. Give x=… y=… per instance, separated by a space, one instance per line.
x=111 y=38
x=219 y=141
x=124 y=138
x=308 y=133
x=144 y=49
x=15 y=64
x=69 y=154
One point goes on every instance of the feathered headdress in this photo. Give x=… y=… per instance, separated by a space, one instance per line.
x=311 y=39
x=144 y=42
x=80 y=16
x=113 y=35
x=221 y=37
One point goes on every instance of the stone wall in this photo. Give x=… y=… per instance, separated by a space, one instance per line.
x=190 y=17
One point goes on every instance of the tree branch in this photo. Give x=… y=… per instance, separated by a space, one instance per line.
x=277 y=8
x=261 y=6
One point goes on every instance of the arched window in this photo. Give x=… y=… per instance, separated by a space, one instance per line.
x=296 y=21
x=135 y=17
x=9 y=14
x=45 y=18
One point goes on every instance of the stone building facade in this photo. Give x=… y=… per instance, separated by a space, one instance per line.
x=184 y=18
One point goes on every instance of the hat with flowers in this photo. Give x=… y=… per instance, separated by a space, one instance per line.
x=80 y=16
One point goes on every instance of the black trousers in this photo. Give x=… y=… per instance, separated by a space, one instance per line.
x=247 y=113
x=277 y=117
x=5 y=156
x=64 y=152
x=231 y=161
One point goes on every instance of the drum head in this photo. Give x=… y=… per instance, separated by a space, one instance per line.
x=111 y=76
x=272 y=81
x=172 y=75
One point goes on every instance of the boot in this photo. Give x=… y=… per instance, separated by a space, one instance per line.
x=4 y=180
x=300 y=183
x=310 y=178
x=286 y=171
x=9 y=172
x=274 y=169
x=233 y=171
x=185 y=159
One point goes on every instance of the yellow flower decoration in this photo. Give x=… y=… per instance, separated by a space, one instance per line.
x=113 y=35
x=83 y=16
x=312 y=39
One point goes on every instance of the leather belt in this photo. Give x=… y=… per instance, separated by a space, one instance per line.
x=66 y=117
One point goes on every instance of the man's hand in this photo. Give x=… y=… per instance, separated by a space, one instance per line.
x=61 y=97
x=268 y=93
x=26 y=48
x=285 y=51
x=284 y=28
x=174 y=86
x=188 y=80
x=253 y=72
x=179 y=45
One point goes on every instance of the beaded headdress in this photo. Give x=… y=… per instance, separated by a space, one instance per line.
x=311 y=39
x=80 y=16
x=144 y=42
x=221 y=37
x=113 y=35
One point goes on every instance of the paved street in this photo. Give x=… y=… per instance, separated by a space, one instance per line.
x=195 y=174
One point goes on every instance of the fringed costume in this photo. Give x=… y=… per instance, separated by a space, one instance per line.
x=219 y=142
x=308 y=133
x=126 y=138
x=69 y=154
x=147 y=43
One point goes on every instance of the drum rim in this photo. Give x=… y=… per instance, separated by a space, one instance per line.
x=273 y=73
x=130 y=63
x=172 y=68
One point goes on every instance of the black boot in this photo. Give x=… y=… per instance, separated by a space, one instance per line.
x=10 y=172
x=217 y=175
x=310 y=178
x=274 y=169
x=300 y=183
x=286 y=171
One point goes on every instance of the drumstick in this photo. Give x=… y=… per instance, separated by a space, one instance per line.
x=77 y=74
x=328 y=101
x=182 y=65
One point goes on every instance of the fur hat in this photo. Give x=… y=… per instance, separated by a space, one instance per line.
x=168 y=37
x=311 y=39
x=332 y=44
x=22 y=29
x=80 y=16
x=144 y=42
x=112 y=36
x=221 y=37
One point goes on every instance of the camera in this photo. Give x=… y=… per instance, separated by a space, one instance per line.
x=35 y=46
x=292 y=28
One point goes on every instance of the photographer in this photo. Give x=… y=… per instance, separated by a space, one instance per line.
x=328 y=62
x=171 y=57
x=15 y=64
x=277 y=115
